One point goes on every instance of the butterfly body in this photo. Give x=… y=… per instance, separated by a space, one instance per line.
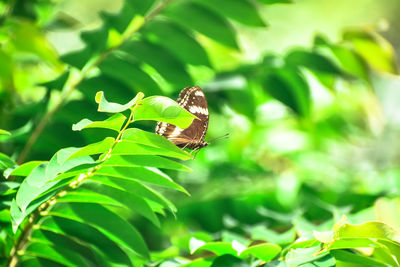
x=193 y=100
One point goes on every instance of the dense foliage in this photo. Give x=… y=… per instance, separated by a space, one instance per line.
x=308 y=176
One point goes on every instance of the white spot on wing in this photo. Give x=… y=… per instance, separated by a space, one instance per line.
x=176 y=132
x=161 y=128
x=197 y=109
x=199 y=93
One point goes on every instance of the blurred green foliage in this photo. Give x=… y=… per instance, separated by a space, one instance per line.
x=313 y=131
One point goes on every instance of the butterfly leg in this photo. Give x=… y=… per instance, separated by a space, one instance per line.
x=196 y=152
x=186 y=145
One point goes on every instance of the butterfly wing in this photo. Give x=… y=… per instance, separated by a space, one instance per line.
x=193 y=100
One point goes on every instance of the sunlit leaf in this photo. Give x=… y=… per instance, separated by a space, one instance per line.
x=6 y=187
x=265 y=252
x=33 y=186
x=374 y=49
x=159 y=108
x=26 y=168
x=6 y=162
x=147 y=175
x=115 y=123
x=362 y=260
x=218 y=248
x=144 y=160
x=368 y=230
x=105 y=106
x=63 y=161
x=4 y=132
x=93 y=149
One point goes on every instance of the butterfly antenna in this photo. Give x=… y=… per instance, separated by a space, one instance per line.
x=219 y=138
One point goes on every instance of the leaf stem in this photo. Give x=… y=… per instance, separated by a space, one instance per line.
x=83 y=74
x=26 y=232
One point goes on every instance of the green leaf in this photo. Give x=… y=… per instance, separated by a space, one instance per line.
x=374 y=49
x=114 y=227
x=345 y=243
x=387 y=210
x=289 y=87
x=313 y=61
x=170 y=36
x=129 y=73
x=136 y=142
x=243 y=11
x=265 y=252
x=60 y=241
x=134 y=187
x=203 y=20
x=8 y=187
x=96 y=39
x=161 y=60
x=85 y=196
x=4 y=132
x=141 y=7
x=93 y=149
x=33 y=186
x=115 y=123
x=78 y=58
x=27 y=260
x=270 y=2
x=199 y=262
x=79 y=170
x=87 y=234
x=368 y=230
x=133 y=148
x=64 y=256
x=129 y=200
x=348 y=59
x=144 y=160
x=349 y=257
x=6 y=162
x=160 y=108
x=61 y=162
x=114 y=89
x=148 y=175
x=218 y=248
x=304 y=255
x=58 y=83
x=128 y=12
x=105 y=106
x=25 y=169
x=263 y=233
x=16 y=215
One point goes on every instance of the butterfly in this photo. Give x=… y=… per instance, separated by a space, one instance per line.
x=193 y=100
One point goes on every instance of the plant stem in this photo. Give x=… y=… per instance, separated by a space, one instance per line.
x=84 y=72
x=26 y=232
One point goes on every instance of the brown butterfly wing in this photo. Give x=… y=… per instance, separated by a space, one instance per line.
x=193 y=100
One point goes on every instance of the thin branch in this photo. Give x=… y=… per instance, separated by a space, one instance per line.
x=84 y=72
